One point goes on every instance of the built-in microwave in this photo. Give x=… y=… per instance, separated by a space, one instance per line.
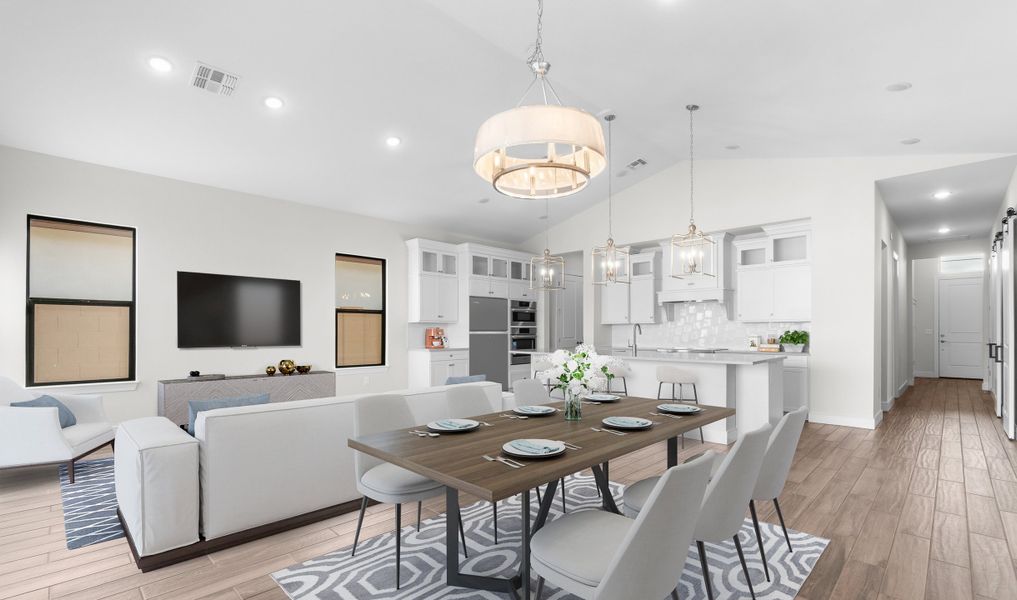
x=522 y=312
x=524 y=342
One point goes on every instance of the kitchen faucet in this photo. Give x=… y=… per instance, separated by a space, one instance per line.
x=635 y=345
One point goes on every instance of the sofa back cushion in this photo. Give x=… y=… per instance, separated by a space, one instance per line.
x=66 y=416
x=196 y=406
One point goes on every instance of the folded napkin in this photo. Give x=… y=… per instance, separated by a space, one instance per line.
x=531 y=448
x=531 y=409
x=453 y=424
x=626 y=422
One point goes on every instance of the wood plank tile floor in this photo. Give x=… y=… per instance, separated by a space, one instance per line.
x=925 y=506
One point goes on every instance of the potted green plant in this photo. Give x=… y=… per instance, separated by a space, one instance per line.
x=794 y=341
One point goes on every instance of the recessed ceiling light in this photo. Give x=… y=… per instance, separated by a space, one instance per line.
x=160 y=64
x=941 y=195
x=733 y=147
x=274 y=103
x=900 y=86
x=944 y=230
x=542 y=218
x=393 y=141
x=910 y=141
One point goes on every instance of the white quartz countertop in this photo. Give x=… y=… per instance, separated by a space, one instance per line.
x=707 y=358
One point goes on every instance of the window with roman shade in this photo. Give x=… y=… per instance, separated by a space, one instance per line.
x=80 y=302
x=359 y=311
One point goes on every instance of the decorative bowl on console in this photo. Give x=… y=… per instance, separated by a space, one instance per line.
x=287 y=366
x=303 y=369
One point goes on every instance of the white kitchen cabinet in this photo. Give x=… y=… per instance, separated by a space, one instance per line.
x=433 y=279
x=796 y=382
x=519 y=290
x=614 y=304
x=792 y=293
x=644 y=287
x=489 y=275
x=517 y=372
x=428 y=368
x=754 y=296
x=519 y=280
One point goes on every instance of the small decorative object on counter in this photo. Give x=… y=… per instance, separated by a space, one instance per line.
x=303 y=369
x=287 y=366
x=270 y=369
x=195 y=373
x=794 y=341
x=579 y=372
x=754 y=342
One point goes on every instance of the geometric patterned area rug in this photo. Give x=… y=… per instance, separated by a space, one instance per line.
x=371 y=574
x=90 y=504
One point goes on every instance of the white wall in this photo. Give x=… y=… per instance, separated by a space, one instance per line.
x=923 y=293
x=837 y=194
x=951 y=248
x=892 y=360
x=183 y=226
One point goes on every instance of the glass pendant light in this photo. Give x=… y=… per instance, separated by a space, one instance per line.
x=547 y=273
x=539 y=150
x=610 y=263
x=692 y=252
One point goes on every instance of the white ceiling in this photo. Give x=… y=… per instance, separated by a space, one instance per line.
x=779 y=78
x=976 y=194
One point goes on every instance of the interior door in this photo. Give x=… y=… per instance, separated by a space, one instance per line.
x=568 y=314
x=995 y=328
x=1006 y=338
x=960 y=327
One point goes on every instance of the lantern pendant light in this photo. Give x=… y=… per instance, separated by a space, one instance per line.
x=547 y=273
x=692 y=251
x=539 y=150
x=611 y=264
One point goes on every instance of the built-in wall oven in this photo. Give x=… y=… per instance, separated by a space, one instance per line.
x=523 y=329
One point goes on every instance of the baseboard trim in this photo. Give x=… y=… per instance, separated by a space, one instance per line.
x=845 y=421
x=927 y=374
x=203 y=546
x=888 y=405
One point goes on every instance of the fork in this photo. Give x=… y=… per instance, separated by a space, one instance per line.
x=609 y=431
x=515 y=416
x=485 y=424
x=572 y=446
x=665 y=415
x=503 y=461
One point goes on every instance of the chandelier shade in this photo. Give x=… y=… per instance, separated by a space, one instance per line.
x=539 y=151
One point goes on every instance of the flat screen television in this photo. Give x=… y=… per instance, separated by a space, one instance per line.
x=224 y=311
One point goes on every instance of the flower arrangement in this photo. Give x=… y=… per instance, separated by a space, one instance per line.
x=578 y=372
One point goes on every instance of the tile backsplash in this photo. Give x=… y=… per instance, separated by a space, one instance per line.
x=700 y=324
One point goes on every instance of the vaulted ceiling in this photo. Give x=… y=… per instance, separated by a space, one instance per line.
x=779 y=78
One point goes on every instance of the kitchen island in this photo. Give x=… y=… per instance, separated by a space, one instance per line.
x=750 y=382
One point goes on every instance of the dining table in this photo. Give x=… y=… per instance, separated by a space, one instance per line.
x=458 y=461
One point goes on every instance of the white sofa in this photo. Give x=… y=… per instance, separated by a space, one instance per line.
x=266 y=463
x=32 y=436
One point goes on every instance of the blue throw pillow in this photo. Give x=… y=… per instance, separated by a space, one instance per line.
x=66 y=416
x=466 y=379
x=196 y=406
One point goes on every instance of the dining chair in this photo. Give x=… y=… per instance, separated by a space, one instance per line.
x=727 y=494
x=598 y=555
x=780 y=452
x=530 y=392
x=385 y=482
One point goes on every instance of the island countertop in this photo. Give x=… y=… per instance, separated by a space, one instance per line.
x=705 y=358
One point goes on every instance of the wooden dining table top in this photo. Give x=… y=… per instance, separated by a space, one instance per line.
x=457 y=459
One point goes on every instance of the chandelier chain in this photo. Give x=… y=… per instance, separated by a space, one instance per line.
x=692 y=171
x=538 y=50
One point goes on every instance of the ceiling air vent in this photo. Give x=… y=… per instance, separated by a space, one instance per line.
x=216 y=81
x=632 y=166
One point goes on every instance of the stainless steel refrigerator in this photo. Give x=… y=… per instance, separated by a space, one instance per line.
x=489 y=339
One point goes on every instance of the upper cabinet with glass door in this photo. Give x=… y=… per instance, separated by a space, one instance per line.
x=519 y=280
x=433 y=281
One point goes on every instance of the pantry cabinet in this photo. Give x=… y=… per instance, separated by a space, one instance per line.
x=433 y=282
x=774 y=274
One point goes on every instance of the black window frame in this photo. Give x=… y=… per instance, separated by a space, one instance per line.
x=32 y=302
x=383 y=312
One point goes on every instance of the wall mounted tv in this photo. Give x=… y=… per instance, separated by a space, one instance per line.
x=223 y=311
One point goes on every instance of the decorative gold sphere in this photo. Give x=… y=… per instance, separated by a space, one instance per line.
x=287 y=366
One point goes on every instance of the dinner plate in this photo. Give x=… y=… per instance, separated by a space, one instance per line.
x=601 y=397
x=537 y=410
x=453 y=425
x=534 y=448
x=627 y=423
x=679 y=409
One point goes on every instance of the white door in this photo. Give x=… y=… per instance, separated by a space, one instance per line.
x=995 y=327
x=568 y=314
x=960 y=327
x=1006 y=338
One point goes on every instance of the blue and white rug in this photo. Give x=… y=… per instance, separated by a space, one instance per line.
x=371 y=574
x=90 y=504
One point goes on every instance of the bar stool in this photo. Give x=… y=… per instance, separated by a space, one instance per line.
x=678 y=380
x=620 y=372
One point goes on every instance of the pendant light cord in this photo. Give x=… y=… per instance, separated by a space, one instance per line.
x=547 y=224
x=610 y=165
x=692 y=170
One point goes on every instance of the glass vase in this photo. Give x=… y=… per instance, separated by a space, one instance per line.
x=573 y=406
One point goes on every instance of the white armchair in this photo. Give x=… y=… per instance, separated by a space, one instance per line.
x=32 y=436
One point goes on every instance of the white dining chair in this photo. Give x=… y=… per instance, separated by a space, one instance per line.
x=598 y=555
x=385 y=482
x=780 y=452
x=729 y=491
